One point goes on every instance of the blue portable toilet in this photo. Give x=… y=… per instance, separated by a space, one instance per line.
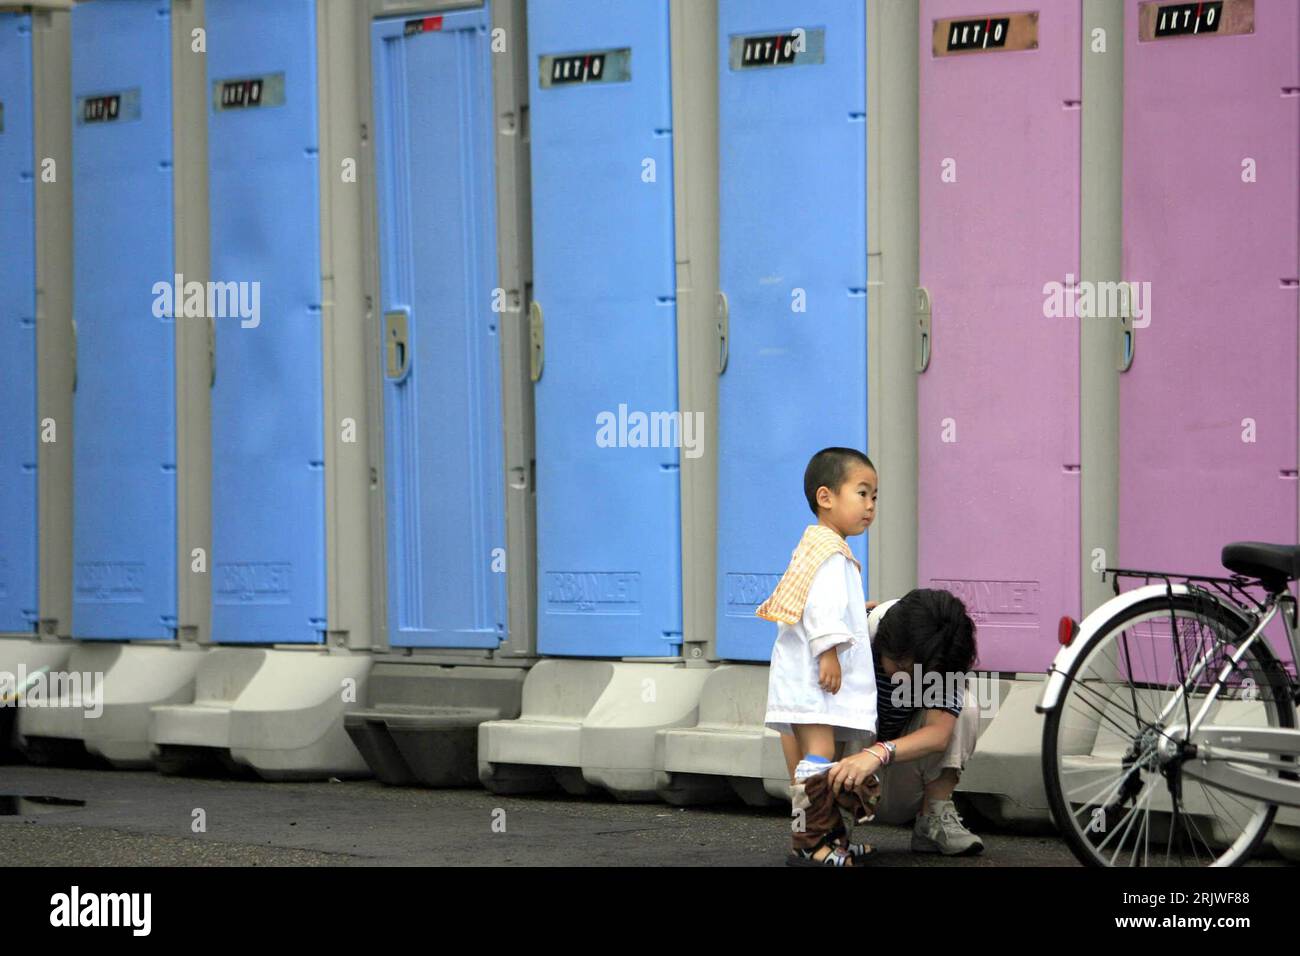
x=604 y=324
x=268 y=458
x=284 y=303
x=124 y=536
x=441 y=307
x=18 y=424
x=793 y=270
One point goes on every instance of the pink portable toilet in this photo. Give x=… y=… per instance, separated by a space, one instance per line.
x=1208 y=416
x=998 y=397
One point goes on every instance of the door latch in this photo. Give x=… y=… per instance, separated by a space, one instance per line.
x=397 y=349
x=1128 y=342
x=921 y=341
x=537 y=340
x=724 y=332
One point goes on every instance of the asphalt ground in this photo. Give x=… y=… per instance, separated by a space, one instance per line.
x=148 y=819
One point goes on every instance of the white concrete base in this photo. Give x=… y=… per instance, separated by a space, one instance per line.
x=585 y=724
x=1004 y=779
x=132 y=678
x=25 y=653
x=279 y=712
x=729 y=746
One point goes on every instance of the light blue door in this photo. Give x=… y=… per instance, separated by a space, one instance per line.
x=441 y=342
x=609 y=542
x=18 y=424
x=124 y=449
x=268 y=455
x=792 y=151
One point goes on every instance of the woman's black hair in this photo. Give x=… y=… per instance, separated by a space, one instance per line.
x=930 y=627
x=829 y=467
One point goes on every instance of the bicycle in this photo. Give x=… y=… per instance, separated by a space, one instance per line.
x=1170 y=723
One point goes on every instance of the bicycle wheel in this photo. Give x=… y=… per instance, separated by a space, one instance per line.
x=1111 y=747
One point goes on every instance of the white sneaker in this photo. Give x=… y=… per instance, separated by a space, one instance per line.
x=941 y=831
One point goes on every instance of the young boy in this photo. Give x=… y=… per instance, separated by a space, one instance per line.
x=821 y=684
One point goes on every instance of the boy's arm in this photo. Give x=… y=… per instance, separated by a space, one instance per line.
x=826 y=608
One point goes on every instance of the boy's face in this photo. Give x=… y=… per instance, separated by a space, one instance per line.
x=850 y=509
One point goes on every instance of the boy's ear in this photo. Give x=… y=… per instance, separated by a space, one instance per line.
x=823 y=496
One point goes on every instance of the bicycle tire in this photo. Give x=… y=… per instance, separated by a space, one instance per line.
x=1209 y=607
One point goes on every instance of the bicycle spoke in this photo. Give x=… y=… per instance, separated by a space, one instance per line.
x=1137 y=808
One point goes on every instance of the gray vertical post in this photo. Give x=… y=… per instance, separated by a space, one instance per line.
x=694 y=30
x=515 y=265
x=372 y=342
x=1101 y=196
x=193 y=336
x=55 y=349
x=341 y=87
x=892 y=270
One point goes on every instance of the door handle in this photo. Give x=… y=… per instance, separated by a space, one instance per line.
x=1128 y=342
x=724 y=332
x=921 y=344
x=536 y=341
x=397 y=345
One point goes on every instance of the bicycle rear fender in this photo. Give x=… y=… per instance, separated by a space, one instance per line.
x=1088 y=629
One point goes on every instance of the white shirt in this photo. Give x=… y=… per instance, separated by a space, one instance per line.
x=835 y=615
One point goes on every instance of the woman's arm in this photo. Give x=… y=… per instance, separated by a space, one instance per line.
x=932 y=737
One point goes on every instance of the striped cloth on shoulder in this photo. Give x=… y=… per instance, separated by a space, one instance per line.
x=785 y=604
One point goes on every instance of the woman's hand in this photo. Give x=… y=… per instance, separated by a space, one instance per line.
x=853 y=772
x=828 y=671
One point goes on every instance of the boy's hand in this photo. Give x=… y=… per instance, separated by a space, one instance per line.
x=871 y=604
x=828 y=671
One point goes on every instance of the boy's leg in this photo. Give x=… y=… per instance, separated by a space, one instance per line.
x=818 y=827
x=857 y=834
x=811 y=822
x=815 y=739
x=790 y=750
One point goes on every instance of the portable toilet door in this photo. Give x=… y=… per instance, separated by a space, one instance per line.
x=793 y=263
x=998 y=404
x=604 y=330
x=440 y=305
x=268 y=459
x=1208 y=429
x=124 y=484
x=18 y=424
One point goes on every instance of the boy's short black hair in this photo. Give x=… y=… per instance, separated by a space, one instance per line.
x=932 y=628
x=829 y=467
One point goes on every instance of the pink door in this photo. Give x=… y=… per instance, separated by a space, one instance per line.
x=999 y=405
x=1208 y=408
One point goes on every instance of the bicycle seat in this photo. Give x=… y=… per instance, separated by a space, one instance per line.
x=1274 y=564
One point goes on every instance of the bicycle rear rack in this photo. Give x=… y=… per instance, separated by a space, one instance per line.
x=1234 y=588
